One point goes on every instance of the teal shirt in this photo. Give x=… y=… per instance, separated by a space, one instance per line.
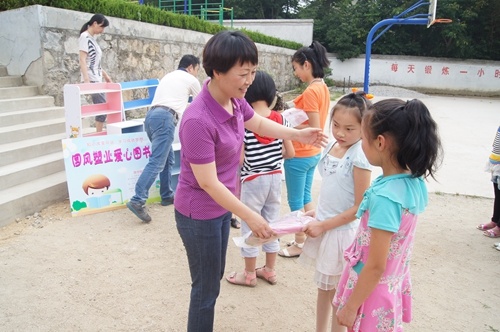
x=388 y=197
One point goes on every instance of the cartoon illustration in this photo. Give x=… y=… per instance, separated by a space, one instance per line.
x=95 y=186
x=75 y=132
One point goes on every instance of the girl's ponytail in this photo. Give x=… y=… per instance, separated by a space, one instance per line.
x=421 y=148
x=316 y=55
x=320 y=54
x=84 y=27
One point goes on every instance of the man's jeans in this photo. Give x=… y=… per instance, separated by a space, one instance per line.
x=160 y=126
x=206 y=246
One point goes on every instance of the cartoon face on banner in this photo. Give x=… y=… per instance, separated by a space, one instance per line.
x=102 y=171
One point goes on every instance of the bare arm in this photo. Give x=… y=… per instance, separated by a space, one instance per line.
x=361 y=183
x=206 y=175
x=369 y=277
x=83 y=67
x=106 y=77
x=313 y=121
x=266 y=127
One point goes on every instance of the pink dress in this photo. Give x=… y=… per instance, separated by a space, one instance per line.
x=389 y=305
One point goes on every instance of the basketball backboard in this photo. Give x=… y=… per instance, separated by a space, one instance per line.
x=432 y=12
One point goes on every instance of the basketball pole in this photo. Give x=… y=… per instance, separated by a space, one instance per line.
x=418 y=19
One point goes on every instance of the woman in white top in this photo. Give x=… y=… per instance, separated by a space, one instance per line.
x=90 y=60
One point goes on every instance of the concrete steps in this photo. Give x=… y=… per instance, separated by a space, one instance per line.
x=32 y=174
x=27 y=115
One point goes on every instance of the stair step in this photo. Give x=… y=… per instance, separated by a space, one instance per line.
x=29 y=130
x=35 y=114
x=30 y=169
x=10 y=81
x=19 y=104
x=18 y=92
x=25 y=199
x=30 y=148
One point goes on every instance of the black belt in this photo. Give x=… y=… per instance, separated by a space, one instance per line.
x=168 y=109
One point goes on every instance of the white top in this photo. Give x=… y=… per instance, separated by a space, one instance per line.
x=326 y=252
x=89 y=45
x=337 y=186
x=174 y=90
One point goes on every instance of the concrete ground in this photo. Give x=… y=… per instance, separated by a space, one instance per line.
x=110 y=272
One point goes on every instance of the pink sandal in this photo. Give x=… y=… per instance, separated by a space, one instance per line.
x=485 y=227
x=267 y=275
x=491 y=233
x=250 y=279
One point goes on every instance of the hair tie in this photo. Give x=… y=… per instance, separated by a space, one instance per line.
x=358 y=92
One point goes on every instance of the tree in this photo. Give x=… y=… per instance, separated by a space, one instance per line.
x=343 y=25
x=263 y=9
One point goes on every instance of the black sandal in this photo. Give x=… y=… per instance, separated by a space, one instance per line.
x=235 y=223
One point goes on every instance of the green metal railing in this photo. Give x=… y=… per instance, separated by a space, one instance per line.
x=210 y=11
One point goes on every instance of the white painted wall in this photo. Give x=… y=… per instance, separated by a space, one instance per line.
x=300 y=31
x=439 y=74
x=20 y=42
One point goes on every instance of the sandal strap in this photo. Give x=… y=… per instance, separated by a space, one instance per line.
x=293 y=243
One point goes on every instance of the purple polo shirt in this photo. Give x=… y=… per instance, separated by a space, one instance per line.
x=209 y=133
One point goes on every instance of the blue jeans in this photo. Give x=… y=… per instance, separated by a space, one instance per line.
x=206 y=245
x=160 y=126
x=299 y=173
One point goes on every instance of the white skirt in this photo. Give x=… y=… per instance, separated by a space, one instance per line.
x=326 y=254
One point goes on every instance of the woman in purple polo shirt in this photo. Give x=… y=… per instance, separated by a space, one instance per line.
x=211 y=135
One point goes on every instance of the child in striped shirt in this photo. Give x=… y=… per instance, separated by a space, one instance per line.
x=261 y=180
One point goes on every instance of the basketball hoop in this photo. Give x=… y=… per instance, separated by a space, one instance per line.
x=442 y=20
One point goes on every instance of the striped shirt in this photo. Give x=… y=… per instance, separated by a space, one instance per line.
x=262 y=158
x=89 y=45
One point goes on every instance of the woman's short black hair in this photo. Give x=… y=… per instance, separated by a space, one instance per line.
x=227 y=48
x=262 y=88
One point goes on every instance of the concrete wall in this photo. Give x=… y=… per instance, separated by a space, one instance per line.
x=300 y=31
x=45 y=50
x=438 y=75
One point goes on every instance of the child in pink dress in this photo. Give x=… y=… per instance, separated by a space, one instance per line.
x=374 y=292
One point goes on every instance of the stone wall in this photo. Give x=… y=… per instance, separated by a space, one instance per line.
x=45 y=51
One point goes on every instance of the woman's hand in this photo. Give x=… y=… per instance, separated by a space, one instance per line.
x=260 y=227
x=313 y=229
x=311 y=136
